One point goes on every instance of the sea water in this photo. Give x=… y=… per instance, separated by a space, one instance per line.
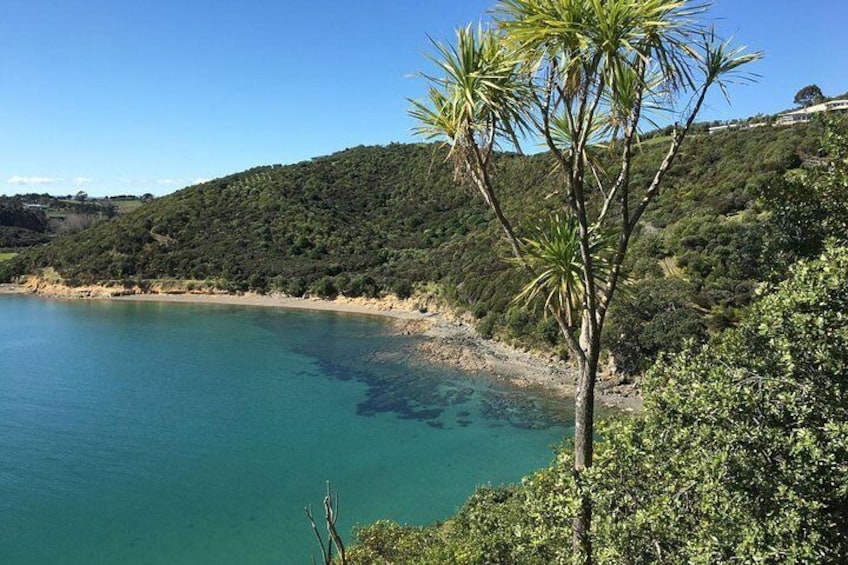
x=180 y=433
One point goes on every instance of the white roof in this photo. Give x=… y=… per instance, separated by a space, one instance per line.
x=815 y=109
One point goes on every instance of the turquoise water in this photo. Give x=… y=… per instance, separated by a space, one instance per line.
x=167 y=433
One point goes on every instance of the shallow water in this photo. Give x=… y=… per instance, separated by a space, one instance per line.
x=170 y=433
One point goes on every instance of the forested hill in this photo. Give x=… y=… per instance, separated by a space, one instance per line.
x=377 y=212
x=381 y=219
x=19 y=224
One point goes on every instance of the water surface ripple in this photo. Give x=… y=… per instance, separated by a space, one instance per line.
x=170 y=433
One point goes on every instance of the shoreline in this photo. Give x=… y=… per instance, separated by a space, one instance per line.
x=6 y=288
x=342 y=306
x=450 y=339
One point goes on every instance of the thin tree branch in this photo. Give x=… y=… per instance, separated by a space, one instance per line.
x=318 y=537
x=331 y=511
x=679 y=136
x=480 y=175
x=623 y=180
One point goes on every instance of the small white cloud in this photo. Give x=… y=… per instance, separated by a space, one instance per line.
x=199 y=181
x=168 y=182
x=33 y=180
x=79 y=181
x=126 y=181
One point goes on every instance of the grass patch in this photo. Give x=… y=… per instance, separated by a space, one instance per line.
x=6 y=256
x=127 y=206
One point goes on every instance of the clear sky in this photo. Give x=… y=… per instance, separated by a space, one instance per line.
x=133 y=96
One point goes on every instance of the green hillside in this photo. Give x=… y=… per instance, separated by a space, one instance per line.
x=683 y=482
x=371 y=220
x=20 y=226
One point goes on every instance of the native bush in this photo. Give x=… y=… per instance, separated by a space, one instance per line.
x=740 y=456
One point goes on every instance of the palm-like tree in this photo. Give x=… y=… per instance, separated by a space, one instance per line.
x=482 y=95
x=552 y=254
x=576 y=74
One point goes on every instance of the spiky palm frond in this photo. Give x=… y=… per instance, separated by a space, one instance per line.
x=553 y=254
x=437 y=119
x=721 y=63
x=605 y=33
x=480 y=94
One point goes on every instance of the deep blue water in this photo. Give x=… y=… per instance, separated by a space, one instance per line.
x=169 y=433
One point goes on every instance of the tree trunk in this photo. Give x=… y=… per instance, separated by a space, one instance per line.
x=584 y=427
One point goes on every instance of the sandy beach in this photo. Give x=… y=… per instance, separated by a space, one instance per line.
x=13 y=289
x=341 y=305
x=451 y=339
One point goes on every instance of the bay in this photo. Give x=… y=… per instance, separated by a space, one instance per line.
x=171 y=433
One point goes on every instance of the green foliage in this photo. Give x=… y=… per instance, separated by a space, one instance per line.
x=552 y=252
x=741 y=456
x=17 y=238
x=492 y=527
x=482 y=85
x=14 y=214
x=367 y=213
x=811 y=205
x=20 y=226
x=402 y=288
x=324 y=288
x=387 y=542
x=809 y=95
x=376 y=219
x=653 y=317
x=743 y=452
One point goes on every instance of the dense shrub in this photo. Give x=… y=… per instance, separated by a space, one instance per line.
x=741 y=456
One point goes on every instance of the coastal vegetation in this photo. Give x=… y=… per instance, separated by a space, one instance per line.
x=577 y=78
x=750 y=204
x=20 y=226
x=27 y=220
x=741 y=455
x=726 y=253
x=374 y=220
x=700 y=267
x=682 y=482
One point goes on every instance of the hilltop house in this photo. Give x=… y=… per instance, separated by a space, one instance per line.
x=804 y=115
x=716 y=129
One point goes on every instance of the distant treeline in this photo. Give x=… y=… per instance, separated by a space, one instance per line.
x=21 y=226
x=32 y=219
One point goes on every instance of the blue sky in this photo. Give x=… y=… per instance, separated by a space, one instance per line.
x=133 y=96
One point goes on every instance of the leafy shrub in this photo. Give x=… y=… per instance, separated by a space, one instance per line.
x=324 y=287
x=402 y=289
x=741 y=456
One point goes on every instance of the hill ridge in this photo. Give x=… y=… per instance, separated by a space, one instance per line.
x=377 y=219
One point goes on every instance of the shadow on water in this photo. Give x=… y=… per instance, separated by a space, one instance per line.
x=402 y=382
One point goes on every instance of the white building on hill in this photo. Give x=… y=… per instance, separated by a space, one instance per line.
x=804 y=115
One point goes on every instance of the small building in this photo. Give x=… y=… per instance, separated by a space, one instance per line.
x=837 y=105
x=725 y=127
x=804 y=115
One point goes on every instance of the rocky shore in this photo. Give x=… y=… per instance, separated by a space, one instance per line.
x=450 y=338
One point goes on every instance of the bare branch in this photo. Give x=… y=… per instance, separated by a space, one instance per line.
x=674 y=148
x=324 y=558
x=623 y=180
x=331 y=514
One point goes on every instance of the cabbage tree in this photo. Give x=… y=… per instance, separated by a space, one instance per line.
x=576 y=76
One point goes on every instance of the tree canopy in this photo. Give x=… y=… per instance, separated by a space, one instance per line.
x=809 y=95
x=576 y=76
